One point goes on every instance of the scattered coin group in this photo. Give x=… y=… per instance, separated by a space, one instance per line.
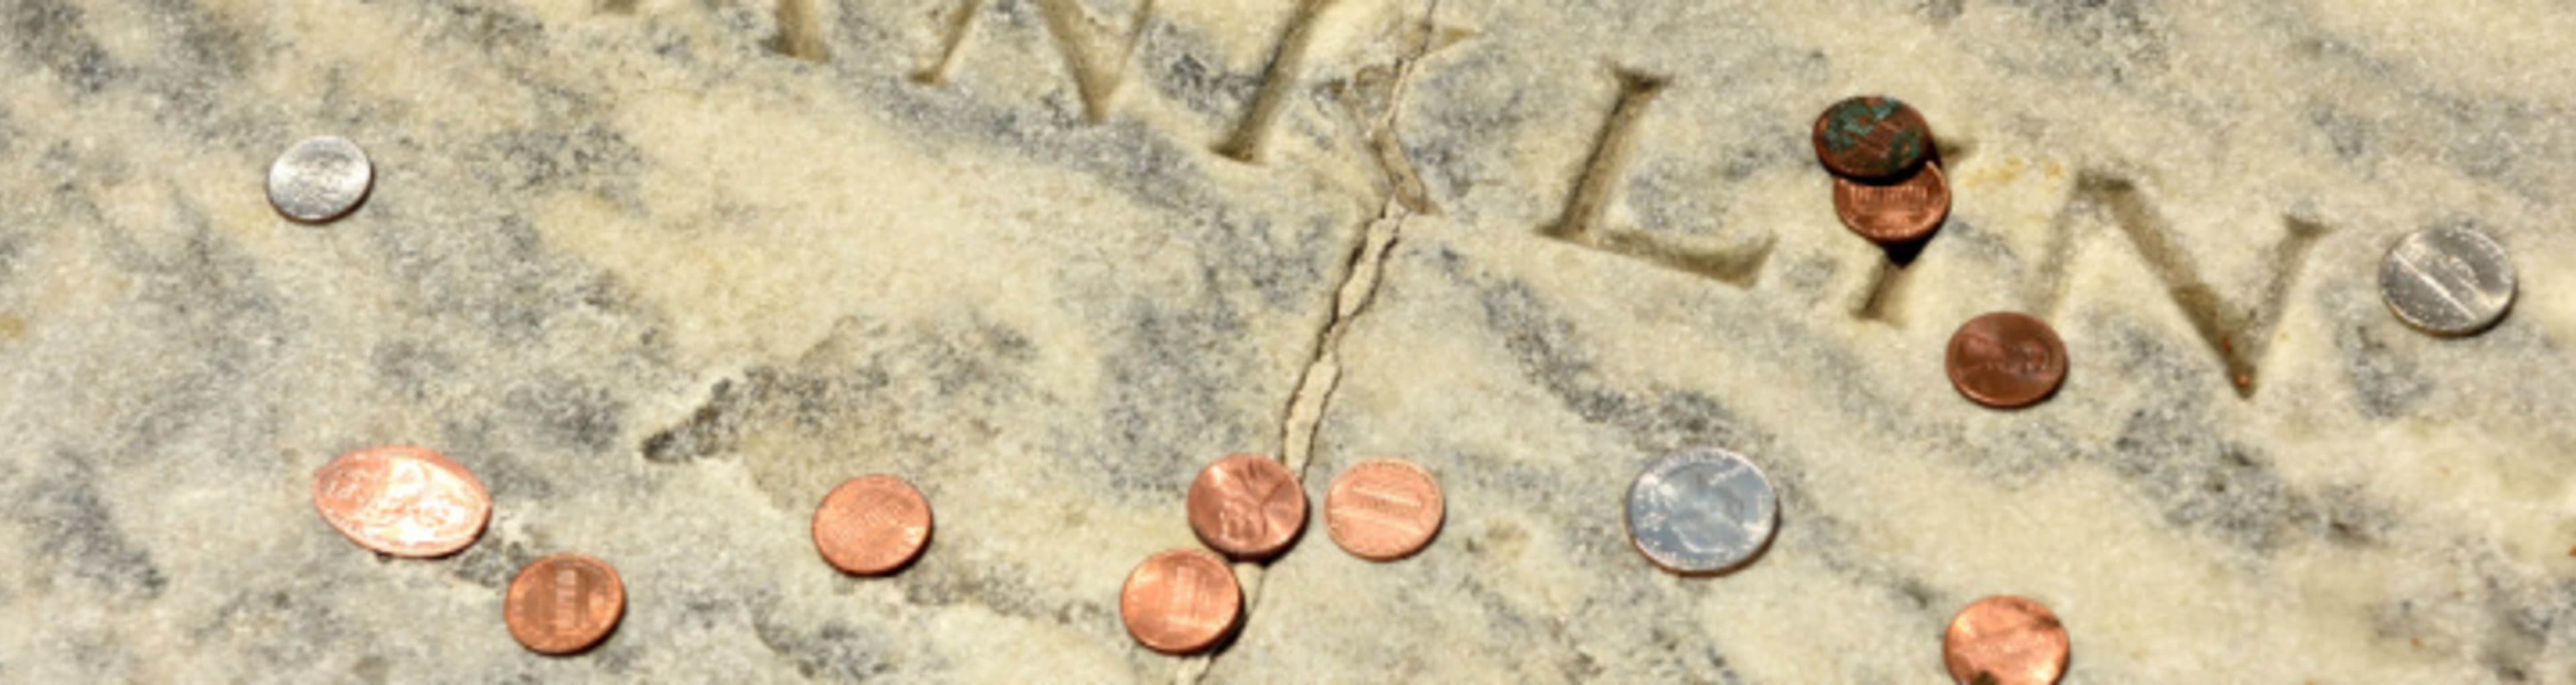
x=1887 y=185
x=1252 y=508
x=1697 y=511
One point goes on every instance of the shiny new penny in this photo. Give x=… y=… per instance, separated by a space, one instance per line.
x=1247 y=506
x=2447 y=281
x=403 y=501
x=1383 y=509
x=872 y=525
x=1901 y=212
x=564 y=603
x=2006 y=360
x=319 y=179
x=2005 y=640
x=1872 y=138
x=1180 y=601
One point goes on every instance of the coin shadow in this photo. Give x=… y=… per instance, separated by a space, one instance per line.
x=1903 y=254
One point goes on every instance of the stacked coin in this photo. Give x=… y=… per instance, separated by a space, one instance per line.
x=1888 y=185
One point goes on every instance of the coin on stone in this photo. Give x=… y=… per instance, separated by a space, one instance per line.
x=2006 y=360
x=1701 y=511
x=1383 y=509
x=319 y=179
x=564 y=603
x=1180 y=601
x=2005 y=640
x=872 y=525
x=1872 y=138
x=1903 y=211
x=403 y=501
x=1247 y=506
x=2449 y=280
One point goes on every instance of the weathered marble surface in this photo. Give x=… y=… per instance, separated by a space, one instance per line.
x=662 y=271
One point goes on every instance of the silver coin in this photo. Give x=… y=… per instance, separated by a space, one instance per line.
x=2447 y=280
x=319 y=179
x=1701 y=511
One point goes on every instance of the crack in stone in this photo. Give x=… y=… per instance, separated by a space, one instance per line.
x=1303 y=414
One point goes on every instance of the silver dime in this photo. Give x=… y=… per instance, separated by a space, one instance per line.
x=319 y=179
x=2447 y=280
x=1701 y=511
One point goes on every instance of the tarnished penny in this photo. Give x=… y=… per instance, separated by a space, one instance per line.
x=1180 y=601
x=2005 y=640
x=1701 y=511
x=2448 y=280
x=319 y=179
x=1383 y=509
x=1872 y=138
x=871 y=525
x=400 y=500
x=2006 y=360
x=564 y=603
x=1247 y=506
x=1901 y=212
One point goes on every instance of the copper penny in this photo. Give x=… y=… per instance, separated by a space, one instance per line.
x=1872 y=138
x=1900 y=212
x=872 y=525
x=1247 y=506
x=2005 y=640
x=564 y=603
x=1180 y=601
x=1383 y=509
x=2006 y=360
x=403 y=501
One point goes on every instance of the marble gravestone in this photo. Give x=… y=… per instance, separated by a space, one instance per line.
x=664 y=271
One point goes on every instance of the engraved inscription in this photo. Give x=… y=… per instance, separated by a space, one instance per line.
x=1581 y=222
x=1282 y=74
x=1098 y=70
x=2236 y=333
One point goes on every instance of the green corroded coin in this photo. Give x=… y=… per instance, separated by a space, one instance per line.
x=1872 y=138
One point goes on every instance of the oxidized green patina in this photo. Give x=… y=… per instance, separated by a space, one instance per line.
x=1872 y=137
